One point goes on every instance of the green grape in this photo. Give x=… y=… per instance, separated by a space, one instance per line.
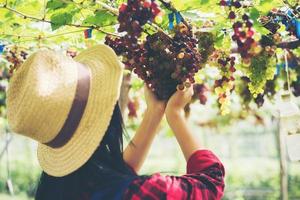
x=261 y=69
x=206 y=42
x=225 y=85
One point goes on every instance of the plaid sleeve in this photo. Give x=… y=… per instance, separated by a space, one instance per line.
x=204 y=181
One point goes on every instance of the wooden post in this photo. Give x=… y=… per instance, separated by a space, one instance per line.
x=282 y=160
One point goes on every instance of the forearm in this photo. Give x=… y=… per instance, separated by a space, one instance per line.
x=187 y=141
x=136 y=152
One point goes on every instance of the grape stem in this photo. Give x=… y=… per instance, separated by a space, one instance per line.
x=109 y=8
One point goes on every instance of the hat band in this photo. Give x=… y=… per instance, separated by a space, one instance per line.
x=76 y=111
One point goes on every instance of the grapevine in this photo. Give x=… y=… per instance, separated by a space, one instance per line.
x=257 y=55
x=165 y=57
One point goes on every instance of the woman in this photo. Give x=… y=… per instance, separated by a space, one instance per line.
x=70 y=108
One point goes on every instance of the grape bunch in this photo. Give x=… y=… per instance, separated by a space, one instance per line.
x=4 y=76
x=15 y=57
x=170 y=62
x=244 y=38
x=236 y=4
x=243 y=91
x=225 y=85
x=262 y=68
x=135 y=14
x=245 y=94
x=200 y=91
x=132 y=17
x=162 y=61
x=257 y=55
x=243 y=30
x=133 y=106
x=3 y=86
x=206 y=42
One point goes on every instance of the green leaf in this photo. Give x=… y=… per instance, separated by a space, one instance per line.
x=55 y=4
x=9 y=15
x=219 y=40
x=254 y=14
x=101 y=18
x=204 y=1
x=60 y=19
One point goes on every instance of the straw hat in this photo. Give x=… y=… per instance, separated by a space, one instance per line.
x=64 y=104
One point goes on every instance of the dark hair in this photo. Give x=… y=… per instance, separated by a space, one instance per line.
x=105 y=167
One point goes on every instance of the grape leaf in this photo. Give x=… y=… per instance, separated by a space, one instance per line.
x=60 y=19
x=204 y=1
x=101 y=18
x=55 y=4
x=219 y=40
x=254 y=14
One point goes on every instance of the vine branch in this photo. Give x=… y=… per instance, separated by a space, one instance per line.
x=289 y=45
x=25 y=16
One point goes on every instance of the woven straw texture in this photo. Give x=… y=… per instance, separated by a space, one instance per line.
x=40 y=96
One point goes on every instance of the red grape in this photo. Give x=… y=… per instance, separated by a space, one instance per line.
x=161 y=61
x=123 y=7
x=232 y=15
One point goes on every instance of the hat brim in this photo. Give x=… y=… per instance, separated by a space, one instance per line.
x=106 y=78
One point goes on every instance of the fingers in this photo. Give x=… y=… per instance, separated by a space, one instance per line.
x=186 y=86
x=191 y=90
x=180 y=87
x=185 y=90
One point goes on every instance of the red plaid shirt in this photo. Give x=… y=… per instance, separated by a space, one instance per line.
x=204 y=180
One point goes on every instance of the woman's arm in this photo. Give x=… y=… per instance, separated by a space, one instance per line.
x=136 y=152
x=205 y=172
x=175 y=117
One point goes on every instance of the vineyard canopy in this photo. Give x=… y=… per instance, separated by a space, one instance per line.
x=246 y=46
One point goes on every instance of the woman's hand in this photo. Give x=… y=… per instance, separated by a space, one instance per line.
x=153 y=104
x=179 y=100
x=175 y=117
